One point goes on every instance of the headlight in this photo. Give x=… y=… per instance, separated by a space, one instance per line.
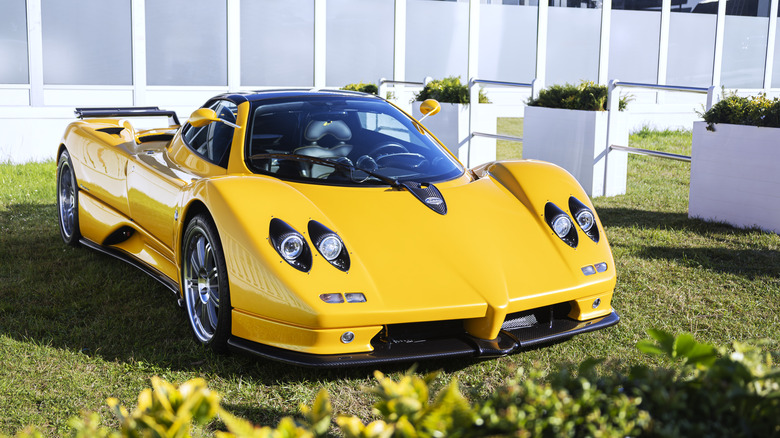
x=561 y=224
x=291 y=247
x=329 y=245
x=290 y=244
x=585 y=218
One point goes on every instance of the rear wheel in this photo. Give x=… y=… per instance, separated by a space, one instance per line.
x=205 y=283
x=67 y=201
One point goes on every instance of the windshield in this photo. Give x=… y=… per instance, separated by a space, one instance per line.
x=343 y=140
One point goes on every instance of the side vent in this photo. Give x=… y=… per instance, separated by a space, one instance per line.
x=112 y=131
x=119 y=236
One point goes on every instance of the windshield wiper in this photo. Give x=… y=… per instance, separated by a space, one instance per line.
x=426 y=193
x=332 y=163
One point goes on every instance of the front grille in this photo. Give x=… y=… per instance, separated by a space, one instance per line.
x=536 y=317
x=420 y=331
x=519 y=322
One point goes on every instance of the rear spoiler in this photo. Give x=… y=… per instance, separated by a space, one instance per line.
x=130 y=111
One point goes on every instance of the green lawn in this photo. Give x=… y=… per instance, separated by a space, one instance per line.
x=77 y=327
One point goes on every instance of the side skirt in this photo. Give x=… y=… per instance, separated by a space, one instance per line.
x=123 y=256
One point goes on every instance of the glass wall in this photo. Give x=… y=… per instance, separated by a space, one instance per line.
x=186 y=42
x=634 y=40
x=744 y=43
x=13 y=42
x=277 y=42
x=691 y=43
x=436 y=39
x=81 y=46
x=573 y=33
x=507 y=43
x=359 y=41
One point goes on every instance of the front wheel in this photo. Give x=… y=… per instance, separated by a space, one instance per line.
x=205 y=283
x=67 y=201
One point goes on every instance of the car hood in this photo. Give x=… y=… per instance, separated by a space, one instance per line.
x=491 y=253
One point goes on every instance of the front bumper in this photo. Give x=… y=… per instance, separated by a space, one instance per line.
x=508 y=341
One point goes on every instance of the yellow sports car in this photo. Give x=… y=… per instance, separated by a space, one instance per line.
x=329 y=228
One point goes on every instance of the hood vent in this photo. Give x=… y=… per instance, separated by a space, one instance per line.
x=428 y=194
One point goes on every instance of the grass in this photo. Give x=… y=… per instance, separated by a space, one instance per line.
x=77 y=327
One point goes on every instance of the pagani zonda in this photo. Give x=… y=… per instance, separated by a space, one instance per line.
x=328 y=228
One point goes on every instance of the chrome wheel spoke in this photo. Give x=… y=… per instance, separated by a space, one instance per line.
x=201 y=284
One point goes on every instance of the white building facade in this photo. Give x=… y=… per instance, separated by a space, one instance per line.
x=56 y=55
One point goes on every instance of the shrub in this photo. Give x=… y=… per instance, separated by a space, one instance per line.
x=449 y=90
x=706 y=392
x=363 y=88
x=586 y=96
x=754 y=110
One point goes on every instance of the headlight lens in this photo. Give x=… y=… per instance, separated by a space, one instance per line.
x=561 y=225
x=291 y=247
x=586 y=220
x=330 y=247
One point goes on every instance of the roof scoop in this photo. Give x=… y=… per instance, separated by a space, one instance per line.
x=428 y=194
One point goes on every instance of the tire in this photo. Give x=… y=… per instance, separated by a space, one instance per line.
x=67 y=201
x=205 y=283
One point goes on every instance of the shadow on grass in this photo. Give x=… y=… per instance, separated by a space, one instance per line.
x=749 y=261
x=80 y=300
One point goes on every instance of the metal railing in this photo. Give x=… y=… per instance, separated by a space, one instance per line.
x=383 y=83
x=613 y=105
x=474 y=97
x=651 y=153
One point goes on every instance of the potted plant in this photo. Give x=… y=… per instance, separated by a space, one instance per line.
x=735 y=163
x=363 y=88
x=451 y=124
x=567 y=125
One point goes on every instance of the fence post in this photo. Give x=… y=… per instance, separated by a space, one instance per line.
x=613 y=106
x=712 y=96
x=473 y=101
x=536 y=86
x=382 y=89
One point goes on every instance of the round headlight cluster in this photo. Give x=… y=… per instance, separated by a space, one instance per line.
x=329 y=245
x=561 y=224
x=585 y=218
x=290 y=244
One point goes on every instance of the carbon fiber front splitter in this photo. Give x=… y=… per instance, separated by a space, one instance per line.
x=507 y=342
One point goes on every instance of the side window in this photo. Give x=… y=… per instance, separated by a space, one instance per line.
x=212 y=142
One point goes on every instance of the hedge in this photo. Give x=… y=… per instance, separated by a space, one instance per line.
x=703 y=391
x=587 y=96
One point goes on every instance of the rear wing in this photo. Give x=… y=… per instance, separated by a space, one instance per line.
x=130 y=111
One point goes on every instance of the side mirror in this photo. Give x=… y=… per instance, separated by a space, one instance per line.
x=204 y=116
x=429 y=107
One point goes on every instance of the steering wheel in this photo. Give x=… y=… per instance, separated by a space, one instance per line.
x=403 y=160
x=388 y=148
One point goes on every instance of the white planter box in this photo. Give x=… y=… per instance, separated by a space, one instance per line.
x=735 y=176
x=451 y=127
x=577 y=141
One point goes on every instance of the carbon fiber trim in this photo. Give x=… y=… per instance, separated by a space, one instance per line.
x=507 y=342
x=428 y=194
